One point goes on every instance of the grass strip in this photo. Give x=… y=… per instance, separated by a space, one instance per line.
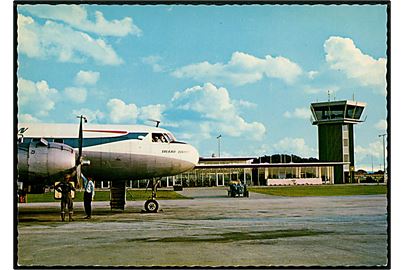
x=324 y=190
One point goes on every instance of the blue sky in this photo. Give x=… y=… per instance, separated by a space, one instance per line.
x=248 y=73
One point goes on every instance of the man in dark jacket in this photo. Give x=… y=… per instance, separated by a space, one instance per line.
x=65 y=188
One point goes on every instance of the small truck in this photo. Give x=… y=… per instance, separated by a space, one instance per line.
x=236 y=188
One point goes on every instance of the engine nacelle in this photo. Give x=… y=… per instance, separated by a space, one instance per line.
x=42 y=159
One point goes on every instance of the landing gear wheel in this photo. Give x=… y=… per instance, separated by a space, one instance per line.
x=151 y=206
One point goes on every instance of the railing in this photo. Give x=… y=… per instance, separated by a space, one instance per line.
x=294 y=181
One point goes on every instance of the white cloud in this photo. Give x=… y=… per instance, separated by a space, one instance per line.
x=120 y=112
x=35 y=98
x=242 y=69
x=381 y=125
x=313 y=74
x=217 y=112
x=28 y=39
x=153 y=61
x=374 y=149
x=302 y=113
x=343 y=55
x=77 y=17
x=260 y=150
x=331 y=89
x=76 y=94
x=27 y=118
x=52 y=40
x=87 y=77
x=244 y=103
x=154 y=112
x=92 y=116
x=296 y=146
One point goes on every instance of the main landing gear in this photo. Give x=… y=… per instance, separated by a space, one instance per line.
x=151 y=205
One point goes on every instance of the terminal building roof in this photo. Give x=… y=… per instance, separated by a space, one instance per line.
x=266 y=165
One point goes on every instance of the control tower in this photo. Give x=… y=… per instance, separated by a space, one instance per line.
x=335 y=120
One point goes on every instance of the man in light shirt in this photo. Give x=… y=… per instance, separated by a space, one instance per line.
x=88 y=195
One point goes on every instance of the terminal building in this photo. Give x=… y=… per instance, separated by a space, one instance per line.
x=219 y=171
x=335 y=121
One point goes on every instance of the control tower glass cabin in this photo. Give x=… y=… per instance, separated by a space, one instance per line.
x=335 y=120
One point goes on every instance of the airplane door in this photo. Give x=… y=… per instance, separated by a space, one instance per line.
x=140 y=161
x=105 y=153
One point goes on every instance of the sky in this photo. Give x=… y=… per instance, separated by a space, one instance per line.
x=245 y=72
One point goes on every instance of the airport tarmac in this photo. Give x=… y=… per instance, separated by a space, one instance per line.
x=210 y=230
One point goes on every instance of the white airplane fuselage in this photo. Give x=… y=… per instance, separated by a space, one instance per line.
x=116 y=152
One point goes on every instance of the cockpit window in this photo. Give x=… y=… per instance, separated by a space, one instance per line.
x=167 y=137
x=162 y=137
x=159 y=137
x=171 y=137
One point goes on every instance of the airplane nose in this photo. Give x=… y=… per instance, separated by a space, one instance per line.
x=195 y=156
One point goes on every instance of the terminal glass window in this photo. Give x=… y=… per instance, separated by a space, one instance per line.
x=291 y=173
x=326 y=174
x=308 y=172
x=281 y=173
x=227 y=178
x=241 y=176
x=273 y=173
x=234 y=177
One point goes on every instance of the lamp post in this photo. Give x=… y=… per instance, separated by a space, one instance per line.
x=372 y=164
x=383 y=136
x=219 y=145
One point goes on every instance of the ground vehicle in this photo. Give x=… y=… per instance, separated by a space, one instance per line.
x=236 y=188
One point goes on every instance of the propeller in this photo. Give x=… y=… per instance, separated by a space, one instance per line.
x=79 y=160
x=20 y=134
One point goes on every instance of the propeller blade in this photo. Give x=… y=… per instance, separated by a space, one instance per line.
x=80 y=140
x=79 y=181
x=80 y=161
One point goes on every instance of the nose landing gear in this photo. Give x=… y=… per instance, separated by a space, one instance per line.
x=151 y=205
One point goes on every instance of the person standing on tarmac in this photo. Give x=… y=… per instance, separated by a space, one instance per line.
x=65 y=188
x=88 y=195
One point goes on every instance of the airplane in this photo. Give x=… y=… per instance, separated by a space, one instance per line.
x=105 y=152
